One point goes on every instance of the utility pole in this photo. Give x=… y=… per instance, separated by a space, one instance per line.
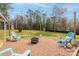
x=75 y=25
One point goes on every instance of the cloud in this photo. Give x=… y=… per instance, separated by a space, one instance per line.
x=41 y=5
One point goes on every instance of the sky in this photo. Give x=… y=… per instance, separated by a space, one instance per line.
x=21 y=8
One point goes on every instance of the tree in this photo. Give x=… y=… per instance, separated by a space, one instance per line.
x=69 y=26
x=36 y=19
x=64 y=21
x=58 y=12
x=44 y=21
x=19 y=20
x=53 y=23
x=48 y=22
x=30 y=18
x=4 y=7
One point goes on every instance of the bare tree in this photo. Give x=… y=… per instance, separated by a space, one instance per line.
x=58 y=12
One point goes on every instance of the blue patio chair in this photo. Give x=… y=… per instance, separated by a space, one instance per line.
x=67 y=39
x=26 y=53
x=15 y=36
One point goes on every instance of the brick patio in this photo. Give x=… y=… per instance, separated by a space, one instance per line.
x=45 y=47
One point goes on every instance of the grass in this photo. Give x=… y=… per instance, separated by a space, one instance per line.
x=32 y=33
x=2 y=34
x=77 y=37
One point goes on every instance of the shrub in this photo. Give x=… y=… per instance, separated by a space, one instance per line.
x=20 y=28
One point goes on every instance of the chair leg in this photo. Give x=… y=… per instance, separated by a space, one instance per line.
x=29 y=54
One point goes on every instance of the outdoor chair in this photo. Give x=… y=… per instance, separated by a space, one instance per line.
x=15 y=36
x=67 y=39
x=26 y=53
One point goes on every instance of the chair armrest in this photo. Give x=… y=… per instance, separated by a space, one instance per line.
x=6 y=50
x=27 y=53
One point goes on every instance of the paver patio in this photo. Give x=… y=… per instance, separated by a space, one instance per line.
x=45 y=47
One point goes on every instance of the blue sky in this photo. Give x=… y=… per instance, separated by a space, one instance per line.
x=21 y=8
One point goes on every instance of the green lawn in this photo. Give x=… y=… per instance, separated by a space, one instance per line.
x=77 y=37
x=31 y=33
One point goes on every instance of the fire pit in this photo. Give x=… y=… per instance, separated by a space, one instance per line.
x=34 y=40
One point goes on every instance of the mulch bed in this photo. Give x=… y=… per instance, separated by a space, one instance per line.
x=45 y=47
